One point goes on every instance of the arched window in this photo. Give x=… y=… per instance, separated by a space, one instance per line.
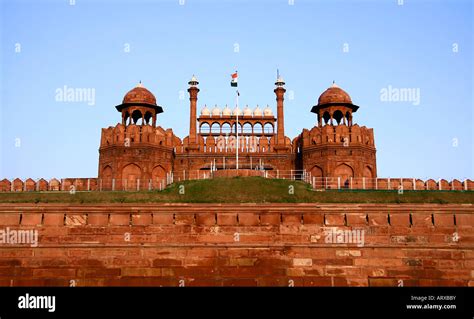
x=148 y=118
x=326 y=117
x=226 y=128
x=257 y=128
x=240 y=128
x=136 y=115
x=215 y=128
x=247 y=128
x=268 y=128
x=205 y=128
x=338 y=117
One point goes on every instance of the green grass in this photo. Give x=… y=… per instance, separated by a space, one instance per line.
x=242 y=190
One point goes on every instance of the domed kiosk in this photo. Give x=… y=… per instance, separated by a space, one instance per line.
x=139 y=104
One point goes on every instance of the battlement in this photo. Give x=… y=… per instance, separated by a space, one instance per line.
x=338 y=135
x=130 y=135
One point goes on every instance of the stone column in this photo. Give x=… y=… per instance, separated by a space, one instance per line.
x=193 y=93
x=280 y=92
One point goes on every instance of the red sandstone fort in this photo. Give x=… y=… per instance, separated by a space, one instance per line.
x=181 y=244
x=137 y=149
x=136 y=154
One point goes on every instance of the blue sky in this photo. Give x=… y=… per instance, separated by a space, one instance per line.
x=424 y=45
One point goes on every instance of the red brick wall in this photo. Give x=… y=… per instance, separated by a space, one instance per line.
x=264 y=245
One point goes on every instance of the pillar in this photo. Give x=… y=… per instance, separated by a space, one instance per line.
x=280 y=92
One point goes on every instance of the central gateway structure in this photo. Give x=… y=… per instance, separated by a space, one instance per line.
x=138 y=150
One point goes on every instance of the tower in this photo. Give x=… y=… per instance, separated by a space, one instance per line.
x=280 y=93
x=136 y=153
x=193 y=93
x=336 y=148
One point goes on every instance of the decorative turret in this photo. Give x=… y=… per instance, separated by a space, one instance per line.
x=139 y=107
x=334 y=107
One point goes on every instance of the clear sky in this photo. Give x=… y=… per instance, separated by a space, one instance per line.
x=365 y=46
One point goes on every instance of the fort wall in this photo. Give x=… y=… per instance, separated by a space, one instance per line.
x=235 y=245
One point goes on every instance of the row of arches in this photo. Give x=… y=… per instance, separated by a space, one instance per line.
x=245 y=128
x=251 y=144
x=130 y=174
x=336 y=117
x=344 y=171
x=138 y=117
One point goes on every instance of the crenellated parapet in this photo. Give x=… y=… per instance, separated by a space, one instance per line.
x=341 y=135
x=134 y=135
x=344 y=151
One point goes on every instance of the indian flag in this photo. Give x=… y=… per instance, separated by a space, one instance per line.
x=233 y=82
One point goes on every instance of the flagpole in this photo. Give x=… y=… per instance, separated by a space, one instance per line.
x=237 y=131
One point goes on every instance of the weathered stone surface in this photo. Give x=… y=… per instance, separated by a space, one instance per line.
x=228 y=244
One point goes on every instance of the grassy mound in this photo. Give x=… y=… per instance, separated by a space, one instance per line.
x=242 y=190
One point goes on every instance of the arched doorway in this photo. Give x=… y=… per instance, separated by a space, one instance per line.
x=345 y=172
x=369 y=177
x=106 y=177
x=158 y=176
x=317 y=173
x=130 y=175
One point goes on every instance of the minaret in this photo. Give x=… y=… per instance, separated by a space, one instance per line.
x=280 y=92
x=193 y=93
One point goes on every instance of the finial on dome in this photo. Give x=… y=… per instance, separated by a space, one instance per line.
x=334 y=85
x=139 y=85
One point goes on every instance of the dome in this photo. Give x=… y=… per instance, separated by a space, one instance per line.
x=334 y=94
x=205 y=111
x=139 y=94
x=237 y=111
x=268 y=111
x=216 y=111
x=247 y=111
x=226 y=111
x=257 y=111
